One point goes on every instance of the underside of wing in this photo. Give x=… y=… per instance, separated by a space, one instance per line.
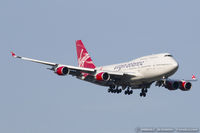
x=107 y=78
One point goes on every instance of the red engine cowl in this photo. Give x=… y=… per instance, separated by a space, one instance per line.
x=171 y=85
x=102 y=76
x=185 y=86
x=62 y=70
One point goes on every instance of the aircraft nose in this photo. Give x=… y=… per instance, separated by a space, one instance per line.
x=175 y=64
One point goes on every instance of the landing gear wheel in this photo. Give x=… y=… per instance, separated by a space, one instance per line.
x=143 y=92
x=119 y=91
x=125 y=92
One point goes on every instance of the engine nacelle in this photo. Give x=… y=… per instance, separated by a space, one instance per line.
x=171 y=84
x=185 y=86
x=62 y=70
x=103 y=76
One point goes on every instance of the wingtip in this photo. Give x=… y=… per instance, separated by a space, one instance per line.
x=194 y=77
x=13 y=54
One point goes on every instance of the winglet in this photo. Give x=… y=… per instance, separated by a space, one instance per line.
x=194 y=77
x=13 y=54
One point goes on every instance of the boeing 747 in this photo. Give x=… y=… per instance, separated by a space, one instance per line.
x=135 y=74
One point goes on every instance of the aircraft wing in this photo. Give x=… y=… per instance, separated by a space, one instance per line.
x=75 y=71
x=79 y=71
x=121 y=75
x=120 y=78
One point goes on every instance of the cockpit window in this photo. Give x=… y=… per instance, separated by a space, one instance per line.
x=168 y=55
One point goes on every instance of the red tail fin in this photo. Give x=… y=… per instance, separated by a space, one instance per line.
x=84 y=59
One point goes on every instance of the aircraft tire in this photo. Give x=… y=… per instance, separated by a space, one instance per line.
x=125 y=92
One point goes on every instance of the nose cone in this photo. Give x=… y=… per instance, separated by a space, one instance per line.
x=175 y=65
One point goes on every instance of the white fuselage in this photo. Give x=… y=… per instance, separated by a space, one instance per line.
x=147 y=69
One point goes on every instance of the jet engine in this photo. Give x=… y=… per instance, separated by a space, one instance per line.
x=62 y=70
x=171 y=84
x=103 y=76
x=185 y=86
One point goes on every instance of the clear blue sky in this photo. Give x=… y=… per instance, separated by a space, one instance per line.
x=35 y=100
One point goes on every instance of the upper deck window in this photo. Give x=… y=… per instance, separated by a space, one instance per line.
x=168 y=55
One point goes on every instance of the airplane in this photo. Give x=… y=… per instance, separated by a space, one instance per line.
x=135 y=74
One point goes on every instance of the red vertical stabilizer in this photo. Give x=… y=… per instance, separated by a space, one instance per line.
x=84 y=59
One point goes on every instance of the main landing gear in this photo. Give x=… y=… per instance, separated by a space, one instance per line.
x=112 y=89
x=128 y=91
x=115 y=89
x=143 y=92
